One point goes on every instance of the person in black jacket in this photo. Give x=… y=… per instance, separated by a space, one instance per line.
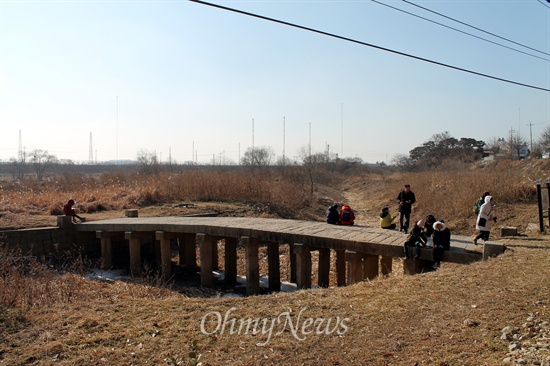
x=332 y=215
x=416 y=238
x=442 y=241
x=406 y=199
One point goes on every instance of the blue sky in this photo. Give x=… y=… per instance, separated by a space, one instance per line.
x=191 y=78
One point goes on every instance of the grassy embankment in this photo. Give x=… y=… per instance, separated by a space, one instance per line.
x=51 y=317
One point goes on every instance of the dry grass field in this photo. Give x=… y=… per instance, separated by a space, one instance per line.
x=453 y=316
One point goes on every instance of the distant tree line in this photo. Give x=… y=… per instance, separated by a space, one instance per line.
x=443 y=148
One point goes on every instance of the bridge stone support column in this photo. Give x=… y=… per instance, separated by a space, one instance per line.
x=252 y=265
x=106 y=249
x=205 y=244
x=187 y=251
x=156 y=248
x=230 y=261
x=303 y=265
x=165 y=252
x=134 y=239
x=370 y=266
x=215 y=264
x=386 y=265
x=273 y=264
x=292 y=260
x=355 y=267
x=324 y=267
x=341 y=267
x=414 y=266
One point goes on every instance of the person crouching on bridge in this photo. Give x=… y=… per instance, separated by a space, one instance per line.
x=68 y=210
x=416 y=238
x=386 y=219
x=442 y=241
x=347 y=217
x=332 y=215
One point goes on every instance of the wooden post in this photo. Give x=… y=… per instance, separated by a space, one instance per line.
x=303 y=265
x=205 y=244
x=230 y=263
x=135 y=252
x=324 y=267
x=106 y=249
x=273 y=267
x=165 y=253
x=292 y=260
x=252 y=265
x=370 y=266
x=341 y=267
x=386 y=265
x=355 y=267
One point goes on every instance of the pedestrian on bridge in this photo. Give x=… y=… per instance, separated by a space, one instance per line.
x=416 y=238
x=332 y=215
x=347 y=217
x=406 y=199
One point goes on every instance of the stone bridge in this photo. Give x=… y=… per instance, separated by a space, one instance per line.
x=362 y=252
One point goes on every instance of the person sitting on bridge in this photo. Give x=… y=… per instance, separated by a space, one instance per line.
x=347 y=217
x=416 y=238
x=68 y=210
x=442 y=241
x=332 y=215
x=428 y=228
x=386 y=219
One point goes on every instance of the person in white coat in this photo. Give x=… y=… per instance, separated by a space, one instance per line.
x=483 y=222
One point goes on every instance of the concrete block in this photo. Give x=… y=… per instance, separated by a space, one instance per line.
x=131 y=213
x=508 y=231
x=64 y=221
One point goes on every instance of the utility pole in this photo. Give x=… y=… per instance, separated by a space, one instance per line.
x=283 y=141
x=531 y=134
x=310 y=139
x=91 y=152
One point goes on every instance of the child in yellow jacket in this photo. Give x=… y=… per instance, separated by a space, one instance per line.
x=386 y=219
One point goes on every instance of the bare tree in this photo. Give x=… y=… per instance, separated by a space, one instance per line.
x=148 y=162
x=544 y=140
x=41 y=160
x=517 y=146
x=314 y=165
x=18 y=168
x=257 y=157
x=402 y=162
x=495 y=145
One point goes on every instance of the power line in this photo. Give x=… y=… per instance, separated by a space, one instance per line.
x=540 y=1
x=458 y=30
x=476 y=28
x=367 y=44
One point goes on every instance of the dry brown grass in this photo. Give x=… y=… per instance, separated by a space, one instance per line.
x=395 y=321
x=59 y=317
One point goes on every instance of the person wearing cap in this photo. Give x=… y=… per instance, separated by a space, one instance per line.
x=332 y=215
x=441 y=240
x=416 y=238
x=386 y=219
x=406 y=199
x=68 y=210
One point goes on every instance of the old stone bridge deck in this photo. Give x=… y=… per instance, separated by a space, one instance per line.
x=362 y=252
